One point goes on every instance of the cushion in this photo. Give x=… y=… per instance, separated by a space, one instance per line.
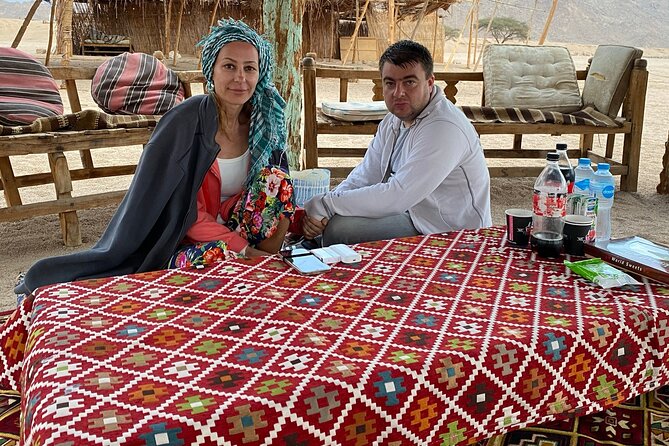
x=355 y=111
x=136 y=84
x=609 y=76
x=539 y=77
x=27 y=89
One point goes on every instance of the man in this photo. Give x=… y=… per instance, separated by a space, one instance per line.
x=424 y=172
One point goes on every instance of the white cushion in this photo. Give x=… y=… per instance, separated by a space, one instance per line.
x=541 y=77
x=355 y=111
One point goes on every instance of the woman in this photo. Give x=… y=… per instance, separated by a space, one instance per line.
x=244 y=209
x=174 y=203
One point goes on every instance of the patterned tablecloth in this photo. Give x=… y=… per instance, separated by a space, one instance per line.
x=430 y=340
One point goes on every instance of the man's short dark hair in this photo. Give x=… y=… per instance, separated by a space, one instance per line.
x=405 y=53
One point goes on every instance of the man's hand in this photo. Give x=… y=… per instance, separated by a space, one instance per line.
x=313 y=227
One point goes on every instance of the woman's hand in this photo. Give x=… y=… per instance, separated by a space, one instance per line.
x=313 y=227
x=252 y=253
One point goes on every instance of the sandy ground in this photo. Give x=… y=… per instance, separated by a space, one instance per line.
x=643 y=213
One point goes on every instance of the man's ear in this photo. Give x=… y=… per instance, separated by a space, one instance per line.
x=430 y=80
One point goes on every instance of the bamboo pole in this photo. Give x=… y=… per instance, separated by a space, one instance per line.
x=420 y=19
x=434 y=34
x=50 y=42
x=529 y=28
x=25 y=24
x=211 y=23
x=457 y=42
x=485 y=36
x=358 y=22
x=476 y=29
x=176 y=44
x=391 y=22
x=167 y=5
x=547 y=25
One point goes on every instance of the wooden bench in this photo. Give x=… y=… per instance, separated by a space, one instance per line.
x=315 y=124
x=54 y=145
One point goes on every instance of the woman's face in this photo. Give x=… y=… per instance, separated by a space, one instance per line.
x=236 y=73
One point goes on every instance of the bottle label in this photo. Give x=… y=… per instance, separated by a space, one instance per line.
x=582 y=185
x=608 y=191
x=548 y=204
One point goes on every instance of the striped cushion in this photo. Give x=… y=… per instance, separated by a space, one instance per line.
x=27 y=89
x=136 y=84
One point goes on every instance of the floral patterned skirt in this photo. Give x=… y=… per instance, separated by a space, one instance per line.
x=255 y=217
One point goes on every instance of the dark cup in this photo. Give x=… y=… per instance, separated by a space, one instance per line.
x=548 y=244
x=518 y=224
x=574 y=233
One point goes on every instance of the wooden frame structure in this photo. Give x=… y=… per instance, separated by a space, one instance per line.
x=315 y=124
x=54 y=145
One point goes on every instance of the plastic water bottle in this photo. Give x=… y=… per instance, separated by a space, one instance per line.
x=604 y=186
x=583 y=200
x=565 y=166
x=582 y=176
x=549 y=200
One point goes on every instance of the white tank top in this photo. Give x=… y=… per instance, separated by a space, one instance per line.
x=233 y=174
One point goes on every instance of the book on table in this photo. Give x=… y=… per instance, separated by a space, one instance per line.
x=634 y=254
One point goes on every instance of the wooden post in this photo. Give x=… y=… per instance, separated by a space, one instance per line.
x=633 y=110
x=50 y=42
x=355 y=31
x=663 y=187
x=310 y=137
x=176 y=43
x=547 y=25
x=66 y=29
x=25 y=24
x=69 y=221
x=282 y=19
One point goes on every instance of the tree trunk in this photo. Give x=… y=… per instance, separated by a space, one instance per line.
x=282 y=21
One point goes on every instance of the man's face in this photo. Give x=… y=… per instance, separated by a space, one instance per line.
x=406 y=90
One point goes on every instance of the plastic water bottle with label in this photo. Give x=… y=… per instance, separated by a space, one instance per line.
x=549 y=202
x=603 y=184
x=582 y=201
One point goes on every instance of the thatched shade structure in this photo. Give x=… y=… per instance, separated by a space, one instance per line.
x=145 y=21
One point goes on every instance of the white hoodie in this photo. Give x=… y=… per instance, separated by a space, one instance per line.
x=440 y=174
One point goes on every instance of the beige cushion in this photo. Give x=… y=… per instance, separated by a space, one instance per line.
x=608 y=77
x=541 y=77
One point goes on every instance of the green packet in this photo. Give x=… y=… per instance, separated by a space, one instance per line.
x=600 y=272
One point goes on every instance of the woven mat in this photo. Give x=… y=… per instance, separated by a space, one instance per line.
x=88 y=119
x=10 y=414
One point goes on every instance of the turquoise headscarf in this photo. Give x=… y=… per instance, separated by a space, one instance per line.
x=267 y=129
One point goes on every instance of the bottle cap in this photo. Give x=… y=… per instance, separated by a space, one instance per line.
x=553 y=156
x=584 y=161
x=603 y=166
x=561 y=146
